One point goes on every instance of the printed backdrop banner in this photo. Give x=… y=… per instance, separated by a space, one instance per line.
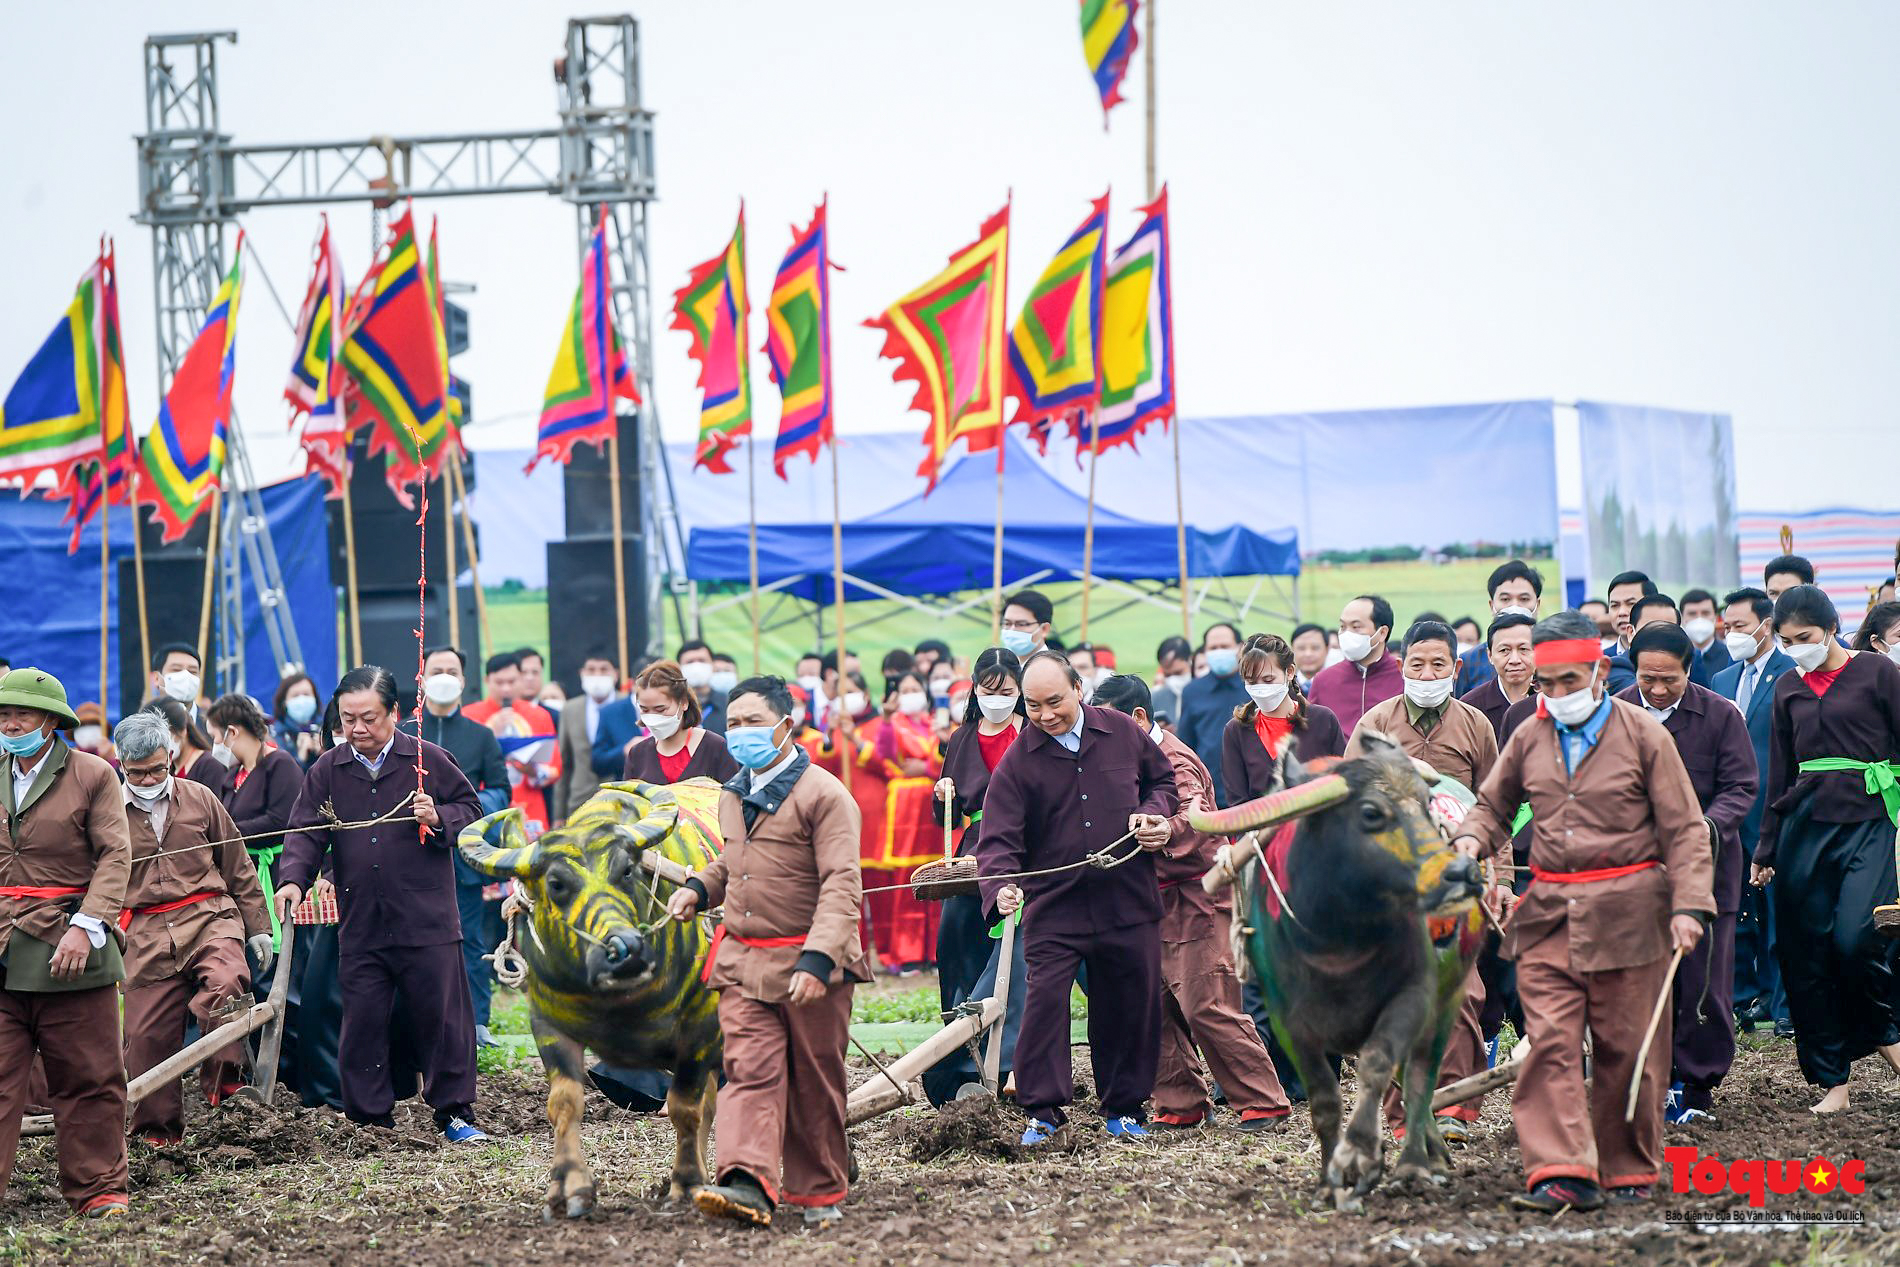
x=1659 y=495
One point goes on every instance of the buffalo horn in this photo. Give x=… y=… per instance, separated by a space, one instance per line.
x=1294 y=802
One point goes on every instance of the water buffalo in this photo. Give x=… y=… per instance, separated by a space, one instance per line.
x=607 y=971
x=1360 y=938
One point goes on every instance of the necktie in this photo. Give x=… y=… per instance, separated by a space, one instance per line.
x=1747 y=692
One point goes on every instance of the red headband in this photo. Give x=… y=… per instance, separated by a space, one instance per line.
x=1568 y=651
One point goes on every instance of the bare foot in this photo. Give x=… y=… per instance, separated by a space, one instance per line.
x=1833 y=1102
x=1891 y=1054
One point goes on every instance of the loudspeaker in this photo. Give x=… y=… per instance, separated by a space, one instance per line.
x=581 y=604
x=389 y=632
x=386 y=548
x=588 y=494
x=174 y=599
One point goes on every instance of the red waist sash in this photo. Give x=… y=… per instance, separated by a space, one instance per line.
x=39 y=890
x=1585 y=877
x=125 y=916
x=762 y=943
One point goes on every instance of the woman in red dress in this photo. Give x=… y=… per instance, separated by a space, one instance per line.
x=909 y=746
x=677 y=747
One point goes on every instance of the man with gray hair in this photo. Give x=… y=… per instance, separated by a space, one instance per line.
x=193 y=899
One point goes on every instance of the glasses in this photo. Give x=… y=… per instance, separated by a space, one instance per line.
x=152 y=774
x=1021 y=626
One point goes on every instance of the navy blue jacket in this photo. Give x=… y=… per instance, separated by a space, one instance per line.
x=1760 y=719
x=1207 y=705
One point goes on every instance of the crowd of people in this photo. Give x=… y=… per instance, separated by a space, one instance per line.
x=1702 y=773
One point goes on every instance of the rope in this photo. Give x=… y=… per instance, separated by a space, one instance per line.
x=866 y=1053
x=511 y=968
x=334 y=824
x=1099 y=859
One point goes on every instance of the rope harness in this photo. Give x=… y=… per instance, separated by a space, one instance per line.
x=1100 y=860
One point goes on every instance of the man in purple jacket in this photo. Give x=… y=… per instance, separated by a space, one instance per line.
x=1077 y=781
x=399 y=935
x=1370 y=672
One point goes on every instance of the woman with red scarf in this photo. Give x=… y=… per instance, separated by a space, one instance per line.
x=1277 y=714
x=909 y=747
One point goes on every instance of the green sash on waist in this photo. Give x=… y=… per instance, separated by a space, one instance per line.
x=1522 y=816
x=1882 y=778
x=264 y=858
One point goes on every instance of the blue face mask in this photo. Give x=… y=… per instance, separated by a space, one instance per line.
x=301 y=709
x=23 y=745
x=1223 y=661
x=1019 y=642
x=752 y=746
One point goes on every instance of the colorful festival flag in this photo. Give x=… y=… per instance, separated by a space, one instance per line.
x=393 y=360
x=1138 y=332
x=53 y=418
x=184 y=452
x=1055 y=348
x=590 y=366
x=91 y=483
x=713 y=308
x=947 y=337
x=314 y=379
x=1108 y=42
x=798 y=343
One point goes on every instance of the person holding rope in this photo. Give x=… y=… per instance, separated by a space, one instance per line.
x=1621 y=874
x=64 y=859
x=193 y=903
x=1081 y=781
x=399 y=939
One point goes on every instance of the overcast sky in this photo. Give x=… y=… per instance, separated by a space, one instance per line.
x=1385 y=203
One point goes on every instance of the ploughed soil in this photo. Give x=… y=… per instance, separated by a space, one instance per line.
x=257 y=1185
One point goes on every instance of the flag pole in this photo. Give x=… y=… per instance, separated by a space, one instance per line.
x=1088 y=529
x=355 y=656
x=620 y=545
x=845 y=760
x=138 y=575
x=474 y=562
x=1174 y=426
x=105 y=579
x=448 y=546
x=996 y=597
x=211 y=579
x=752 y=543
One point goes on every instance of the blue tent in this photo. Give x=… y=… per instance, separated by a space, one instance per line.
x=944 y=542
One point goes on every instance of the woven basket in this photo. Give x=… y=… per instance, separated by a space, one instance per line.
x=950 y=877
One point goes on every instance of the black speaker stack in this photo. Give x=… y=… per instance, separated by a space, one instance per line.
x=581 y=569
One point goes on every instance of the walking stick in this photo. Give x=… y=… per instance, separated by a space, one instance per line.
x=1649 y=1035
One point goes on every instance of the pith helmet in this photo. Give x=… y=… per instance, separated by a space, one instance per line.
x=36 y=688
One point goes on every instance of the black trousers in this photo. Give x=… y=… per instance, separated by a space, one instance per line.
x=1704 y=1032
x=1837 y=970
x=1757 y=972
x=317 y=1016
x=422 y=990
x=1124 y=966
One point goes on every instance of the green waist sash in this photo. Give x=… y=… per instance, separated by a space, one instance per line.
x=1882 y=778
x=264 y=859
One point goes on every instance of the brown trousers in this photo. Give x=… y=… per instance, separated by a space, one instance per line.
x=72 y=1031
x=1561 y=1130
x=155 y=1028
x=1201 y=1008
x=782 y=1107
x=1464 y=1055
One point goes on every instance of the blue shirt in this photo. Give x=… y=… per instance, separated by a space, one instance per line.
x=1073 y=739
x=1578 y=740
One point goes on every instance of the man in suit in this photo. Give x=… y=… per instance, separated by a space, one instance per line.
x=579 y=726
x=1750 y=682
x=1703 y=623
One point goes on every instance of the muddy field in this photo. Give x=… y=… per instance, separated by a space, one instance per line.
x=251 y=1185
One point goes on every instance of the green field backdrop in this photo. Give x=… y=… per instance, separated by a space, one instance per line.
x=520 y=617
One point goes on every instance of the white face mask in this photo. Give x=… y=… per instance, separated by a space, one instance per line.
x=798 y=717
x=1333 y=656
x=854 y=703
x=1354 y=646
x=813 y=684
x=1893 y=653
x=698 y=674
x=1514 y=610
x=1807 y=656
x=150 y=793
x=1428 y=694
x=88 y=737
x=442 y=688
x=662 y=725
x=995 y=708
x=1575 y=708
x=599 y=687
x=223 y=755
x=1700 y=630
x=182 y=686
x=1267 y=696
x=911 y=703
x=1741 y=646
x=1175 y=681
x=723 y=680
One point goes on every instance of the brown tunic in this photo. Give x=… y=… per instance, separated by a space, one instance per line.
x=1188 y=912
x=70 y=832
x=1461 y=745
x=162 y=944
x=794 y=873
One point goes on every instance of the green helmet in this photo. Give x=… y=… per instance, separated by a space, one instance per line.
x=36 y=688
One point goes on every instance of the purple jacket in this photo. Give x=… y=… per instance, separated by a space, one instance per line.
x=392 y=889
x=1349 y=690
x=1047 y=806
x=1712 y=739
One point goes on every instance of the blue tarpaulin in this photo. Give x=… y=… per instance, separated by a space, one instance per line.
x=51 y=617
x=944 y=543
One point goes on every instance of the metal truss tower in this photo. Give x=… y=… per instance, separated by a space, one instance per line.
x=194 y=181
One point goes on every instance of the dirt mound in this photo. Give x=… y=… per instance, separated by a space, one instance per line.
x=982 y=1127
x=241 y=1134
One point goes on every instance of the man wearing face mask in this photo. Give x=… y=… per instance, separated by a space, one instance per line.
x=193 y=902
x=696 y=662
x=1208 y=703
x=477 y=754
x=1713 y=741
x=725 y=674
x=1027 y=618
x=1702 y=623
x=529 y=743
x=1369 y=674
x=64 y=864
x=1621 y=875
x=1455 y=740
x=1173 y=671
x=177 y=674
x=1516 y=589
x=1749 y=681
x=785 y=960
x=579 y=727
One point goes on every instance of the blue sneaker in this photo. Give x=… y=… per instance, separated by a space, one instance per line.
x=1037 y=1132
x=459 y=1132
x=1491 y=1054
x=1125 y=1128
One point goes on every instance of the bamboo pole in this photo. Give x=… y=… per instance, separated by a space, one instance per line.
x=138 y=576
x=1148 y=69
x=474 y=560
x=996 y=598
x=350 y=599
x=752 y=546
x=1174 y=426
x=1088 y=523
x=845 y=761
x=105 y=587
x=448 y=546
x=620 y=545
x=211 y=581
